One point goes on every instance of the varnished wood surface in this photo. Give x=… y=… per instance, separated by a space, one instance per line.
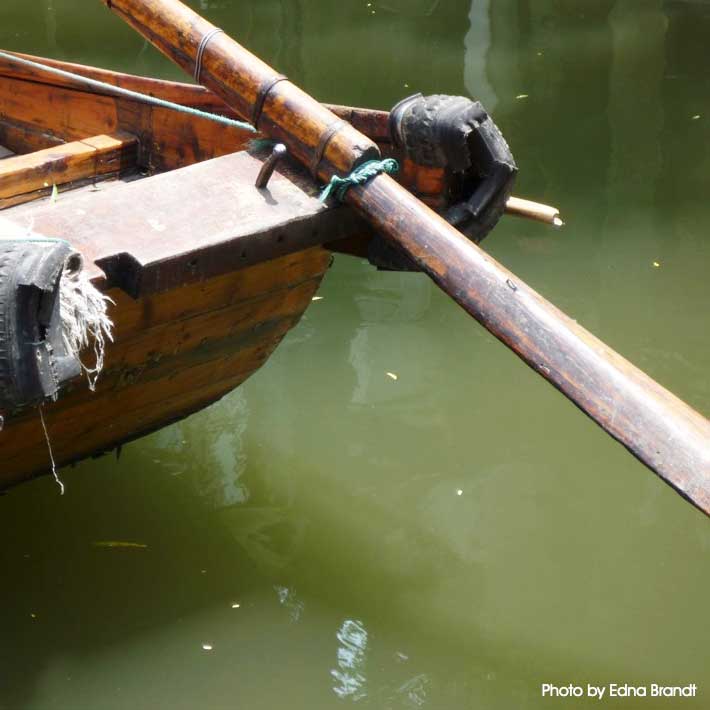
x=238 y=77
x=373 y=123
x=167 y=139
x=90 y=158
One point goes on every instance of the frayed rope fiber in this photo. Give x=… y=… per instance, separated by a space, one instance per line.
x=338 y=187
x=85 y=321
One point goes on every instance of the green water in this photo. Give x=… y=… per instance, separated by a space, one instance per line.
x=458 y=536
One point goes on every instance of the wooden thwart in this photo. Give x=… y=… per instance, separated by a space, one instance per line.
x=94 y=157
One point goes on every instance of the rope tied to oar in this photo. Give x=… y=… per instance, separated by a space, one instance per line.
x=338 y=187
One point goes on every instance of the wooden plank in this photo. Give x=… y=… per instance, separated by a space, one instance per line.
x=66 y=163
x=159 y=233
x=21 y=137
x=38 y=115
x=248 y=286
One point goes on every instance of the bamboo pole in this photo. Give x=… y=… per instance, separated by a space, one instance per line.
x=663 y=432
x=528 y=209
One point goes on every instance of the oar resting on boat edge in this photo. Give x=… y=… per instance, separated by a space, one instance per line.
x=663 y=432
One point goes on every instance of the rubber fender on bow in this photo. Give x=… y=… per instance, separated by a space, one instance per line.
x=34 y=360
x=456 y=133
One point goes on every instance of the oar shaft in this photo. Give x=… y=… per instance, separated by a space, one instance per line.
x=660 y=430
x=245 y=83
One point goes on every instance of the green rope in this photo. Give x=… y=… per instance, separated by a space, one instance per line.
x=338 y=186
x=120 y=91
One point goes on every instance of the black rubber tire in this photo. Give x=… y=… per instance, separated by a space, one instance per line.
x=33 y=359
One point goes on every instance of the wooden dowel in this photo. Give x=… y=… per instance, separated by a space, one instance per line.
x=519 y=207
x=663 y=432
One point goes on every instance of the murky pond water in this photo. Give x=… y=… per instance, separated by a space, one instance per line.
x=328 y=535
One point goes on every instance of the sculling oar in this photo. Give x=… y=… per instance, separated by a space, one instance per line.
x=663 y=432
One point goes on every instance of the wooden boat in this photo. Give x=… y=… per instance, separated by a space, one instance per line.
x=206 y=272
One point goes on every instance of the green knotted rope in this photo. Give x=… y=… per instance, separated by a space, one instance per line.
x=338 y=186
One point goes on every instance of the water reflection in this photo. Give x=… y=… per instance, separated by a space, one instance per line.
x=478 y=45
x=289 y=600
x=352 y=661
x=414 y=691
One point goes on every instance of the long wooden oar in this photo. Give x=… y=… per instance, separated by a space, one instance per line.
x=663 y=432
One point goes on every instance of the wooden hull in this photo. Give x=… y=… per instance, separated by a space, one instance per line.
x=174 y=353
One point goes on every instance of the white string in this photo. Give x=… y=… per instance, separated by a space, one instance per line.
x=49 y=448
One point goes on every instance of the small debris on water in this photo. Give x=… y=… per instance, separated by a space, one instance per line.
x=406 y=86
x=557 y=222
x=236 y=606
x=207 y=647
x=521 y=96
x=317 y=298
x=121 y=545
x=392 y=376
x=459 y=492
x=656 y=264
x=696 y=117
x=34 y=616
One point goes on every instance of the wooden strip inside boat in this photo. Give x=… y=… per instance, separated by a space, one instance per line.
x=89 y=159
